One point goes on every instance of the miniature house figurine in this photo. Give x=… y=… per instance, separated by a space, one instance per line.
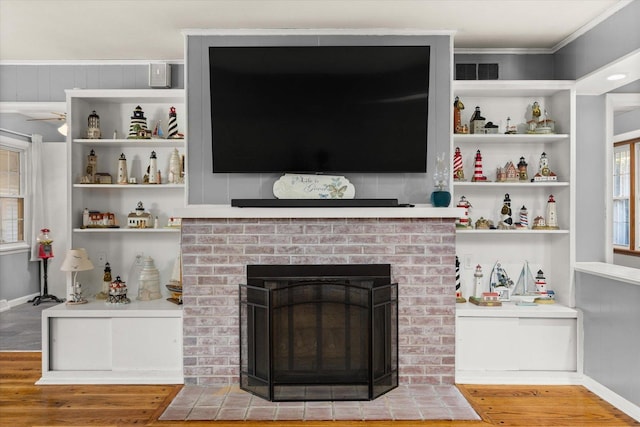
x=93 y=126
x=458 y=172
x=544 y=173
x=101 y=220
x=539 y=223
x=507 y=173
x=464 y=221
x=477 y=170
x=139 y=218
x=477 y=122
x=522 y=170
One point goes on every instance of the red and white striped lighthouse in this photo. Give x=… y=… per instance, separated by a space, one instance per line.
x=477 y=171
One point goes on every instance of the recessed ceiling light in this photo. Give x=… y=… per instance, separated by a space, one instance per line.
x=617 y=76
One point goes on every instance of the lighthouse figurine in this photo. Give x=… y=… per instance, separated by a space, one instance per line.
x=524 y=217
x=122 y=170
x=477 y=279
x=551 y=217
x=477 y=170
x=458 y=172
x=464 y=221
x=545 y=296
x=459 y=297
x=506 y=222
x=153 y=169
x=172 y=127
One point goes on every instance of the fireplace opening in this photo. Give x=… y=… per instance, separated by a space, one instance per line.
x=318 y=332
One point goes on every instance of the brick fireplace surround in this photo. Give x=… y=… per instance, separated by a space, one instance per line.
x=419 y=243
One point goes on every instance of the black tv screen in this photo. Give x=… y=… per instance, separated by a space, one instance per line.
x=318 y=109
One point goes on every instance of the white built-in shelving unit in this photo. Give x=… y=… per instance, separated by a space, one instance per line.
x=98 y=342
x=499 y=344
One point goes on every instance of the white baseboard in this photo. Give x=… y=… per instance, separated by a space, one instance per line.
x=519 y=377
x=6 y=305
x=612 y=397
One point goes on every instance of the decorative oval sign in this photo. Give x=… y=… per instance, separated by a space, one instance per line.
x=300 y=186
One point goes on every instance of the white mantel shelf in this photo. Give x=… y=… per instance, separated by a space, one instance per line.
x=227 y=211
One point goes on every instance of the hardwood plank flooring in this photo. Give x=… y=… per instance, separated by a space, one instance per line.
x=24 y=404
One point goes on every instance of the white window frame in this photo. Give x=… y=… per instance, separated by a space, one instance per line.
x=23 y=148
x=617 y=149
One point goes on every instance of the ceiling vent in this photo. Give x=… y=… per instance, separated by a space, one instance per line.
x=477 y=72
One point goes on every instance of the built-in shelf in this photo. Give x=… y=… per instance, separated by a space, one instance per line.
x=126 y=230
x=520 y=184
x=503 y=232
x=132 y=186
x=511 y=309
x=129 y=143
x=510 y=139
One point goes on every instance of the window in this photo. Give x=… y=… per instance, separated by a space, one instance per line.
x=12 y=193
x=626 y=182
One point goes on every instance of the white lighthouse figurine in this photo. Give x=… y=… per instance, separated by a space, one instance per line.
x=122 y=170
x=464 y=221
x=153 y=169
x=477 y=278
x=551 y=217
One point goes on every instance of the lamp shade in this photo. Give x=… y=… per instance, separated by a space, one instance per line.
x=76 y=260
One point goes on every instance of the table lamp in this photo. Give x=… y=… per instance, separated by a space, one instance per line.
x=76 y=260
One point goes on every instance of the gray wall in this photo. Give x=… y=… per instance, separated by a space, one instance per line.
x=612 y=39
x=207 y=188
x=47 y=83
x=611 y=345
x=590 y=183
x=513 y=66
x=627 y=121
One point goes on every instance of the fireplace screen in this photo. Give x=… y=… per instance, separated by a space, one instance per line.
x=318 y=332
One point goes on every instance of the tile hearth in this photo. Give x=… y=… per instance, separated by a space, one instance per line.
x=229 y=403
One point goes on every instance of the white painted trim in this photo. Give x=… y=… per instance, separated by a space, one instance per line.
x=14 y=248
x=614 y=101
x=592 y=24
x=518 y=377
x=6 y=305
x=90 y=61
x=612 y=397
x=502 y=51
x=315 y=32
x=626 y=136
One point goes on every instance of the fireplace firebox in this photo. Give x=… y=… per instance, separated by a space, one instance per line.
x=319 y=332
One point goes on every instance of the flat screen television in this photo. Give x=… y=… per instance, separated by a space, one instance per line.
x=319 y=109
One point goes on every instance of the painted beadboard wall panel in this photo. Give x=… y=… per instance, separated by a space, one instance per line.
x=47 y=83
x=611 y=318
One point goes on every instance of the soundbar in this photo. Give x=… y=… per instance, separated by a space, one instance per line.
x=314 y=203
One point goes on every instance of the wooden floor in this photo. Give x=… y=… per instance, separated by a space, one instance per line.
x=24 y=404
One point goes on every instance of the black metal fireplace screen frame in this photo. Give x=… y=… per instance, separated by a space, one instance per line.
x=282 y=361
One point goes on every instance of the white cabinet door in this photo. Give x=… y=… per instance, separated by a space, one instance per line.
x=486 y=344
x=80 y=344
x=548 y=344
x=147 y=344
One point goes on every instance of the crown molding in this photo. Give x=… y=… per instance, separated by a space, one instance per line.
x=92 y=62
x=500 y=51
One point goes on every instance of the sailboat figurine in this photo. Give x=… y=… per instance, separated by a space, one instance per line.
x=175 y=283
x=526 y=284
